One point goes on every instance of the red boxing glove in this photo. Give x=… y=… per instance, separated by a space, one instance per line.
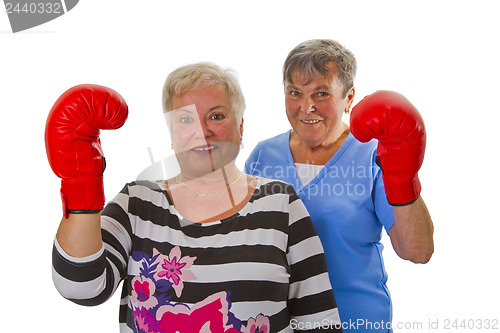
x=73 y=146
x=399 y=128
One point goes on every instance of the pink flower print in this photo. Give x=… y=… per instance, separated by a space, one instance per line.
x=258 y=325
x=174 y=268
x=143 y=289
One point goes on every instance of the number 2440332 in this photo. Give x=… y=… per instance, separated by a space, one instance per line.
x=33 y=8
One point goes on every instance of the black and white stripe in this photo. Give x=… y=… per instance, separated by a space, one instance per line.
x=268 y=255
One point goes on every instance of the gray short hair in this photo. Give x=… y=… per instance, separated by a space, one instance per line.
x=312 y=57
x=200 y=75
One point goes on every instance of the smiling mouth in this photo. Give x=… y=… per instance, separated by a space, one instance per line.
x=204 y=148
x=312 y=121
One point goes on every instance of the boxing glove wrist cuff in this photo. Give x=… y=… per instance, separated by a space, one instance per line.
x=74 y=211
x=84 y=195
x=401 y=192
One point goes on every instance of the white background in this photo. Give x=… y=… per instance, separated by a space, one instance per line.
x=442 y=55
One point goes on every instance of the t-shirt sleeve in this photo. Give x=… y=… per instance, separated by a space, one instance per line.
x=92 y=280
x=384 y=211
x=311 y=300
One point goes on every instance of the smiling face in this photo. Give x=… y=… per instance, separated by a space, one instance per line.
x=205 y=131
x=314 y=107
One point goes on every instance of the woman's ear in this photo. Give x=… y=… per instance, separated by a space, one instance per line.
x=350 y=96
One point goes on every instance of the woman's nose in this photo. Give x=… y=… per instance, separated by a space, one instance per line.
x=203 y=129
x=307 y=105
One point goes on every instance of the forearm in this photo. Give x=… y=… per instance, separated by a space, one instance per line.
x=412 y=233
x=84 y=271
x=86 y=281
x=80 y=234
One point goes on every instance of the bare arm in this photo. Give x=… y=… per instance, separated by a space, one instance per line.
x=412 y=233
x=80 y=234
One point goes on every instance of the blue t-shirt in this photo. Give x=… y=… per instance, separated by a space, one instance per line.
x=348 y=207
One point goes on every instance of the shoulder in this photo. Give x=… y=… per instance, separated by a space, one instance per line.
x=275 y=188
x=275 y=142
x=360 y=153
x=362 y=146
x=144 y=191
x=281 y=186
x=268 y=152
x=141 y=186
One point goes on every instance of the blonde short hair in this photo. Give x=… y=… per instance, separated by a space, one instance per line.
x=200 y=75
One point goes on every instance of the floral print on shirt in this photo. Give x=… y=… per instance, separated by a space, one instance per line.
x=154 y=312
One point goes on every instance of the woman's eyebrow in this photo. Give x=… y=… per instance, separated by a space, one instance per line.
x=322 y=87
x=218 y=107
x=182 y=110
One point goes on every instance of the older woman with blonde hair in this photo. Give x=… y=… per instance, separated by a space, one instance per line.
x=209 y=250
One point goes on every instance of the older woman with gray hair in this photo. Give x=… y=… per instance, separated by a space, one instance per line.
x=211 y=249
x=352 y=186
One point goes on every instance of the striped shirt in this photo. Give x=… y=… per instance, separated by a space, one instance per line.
x=260 y=270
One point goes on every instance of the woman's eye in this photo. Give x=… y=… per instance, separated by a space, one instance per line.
x=294 y=93
x=217 y=116
x=186 y=120
x=323 y=94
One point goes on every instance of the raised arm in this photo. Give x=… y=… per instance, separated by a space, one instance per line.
x=399 y=128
